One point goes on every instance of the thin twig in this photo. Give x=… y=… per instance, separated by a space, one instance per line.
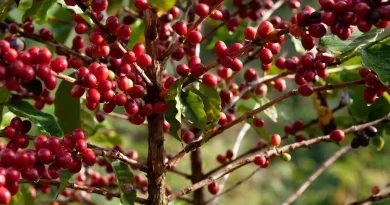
x=250 y=114
x=371 y=199
x=234 y=186
x=269 y=153
x=88 y=189
x=317 y=173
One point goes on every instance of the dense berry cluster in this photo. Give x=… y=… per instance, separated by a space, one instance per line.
x=46 y=160
x=375 y=88
x=363 y=138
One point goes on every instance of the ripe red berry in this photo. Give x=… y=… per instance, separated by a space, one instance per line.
x=141 y=4
x=187 y=137
x=63 y=159
x=160 y=107
x=137 y=91
x=260 y=160
x=213 y=188
x=45 y=156
x=275 y=140
x=194 y=37
x=258 y=122
x=221 y=159
x=144 y=60
x=10 y=132
x=5 y=195
x=264 y=29
x=89 y=157
x=308 y=42
x=210 y=80
x=375 y=190
x=266 y=56
x=280 y=84
x=371 y=80
x=59 y=65
x=182 y=70
x=337 y=135
x=180 y=28
x=202 y=10
x=99 y=5
x=305 y=90
x=250 y=33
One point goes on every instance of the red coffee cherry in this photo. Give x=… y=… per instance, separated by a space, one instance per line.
x=337 y=135
x=275 y=140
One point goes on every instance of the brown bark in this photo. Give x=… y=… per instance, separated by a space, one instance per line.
x=156 y=153
x=197 y=175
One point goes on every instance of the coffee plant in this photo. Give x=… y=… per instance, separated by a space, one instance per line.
x=189 y=72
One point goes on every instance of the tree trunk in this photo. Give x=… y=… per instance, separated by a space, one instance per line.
x=197 y=175
x=156 y=153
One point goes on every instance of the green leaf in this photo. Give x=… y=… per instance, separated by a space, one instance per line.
x=4 y=95
x=87 y=119
x=193 y=109
x=271 y=112
x=33 y=10
x=259 y=130
x=125 y=181
x=174 y=107
x=211 y=102
x=377 y=58
x=77 y=10
x=351 y=45
x=109 y=138
x=163 y=5
x=64 y=180
x=378 y=142
x=4 y=9
x=63 y=103
x=43 y=11
x=46 y=122
x=28 y=198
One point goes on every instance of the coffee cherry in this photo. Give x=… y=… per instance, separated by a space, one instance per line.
x=370 y=131
x=89 y=157
x=305 y=90
x=53 y=143
x=137 y=91
x=317 y=30
x=144 y=60
x=371 y=80
x=182 y=70
x=202 y=10
x=375 y=190
x=250 y=75
x=198 y=70
x=5 y=195
x=213 y=188
x=160 y=107
x=54 y=171
x=275 y=140
x=180 y=28
x=264 y=29
x=260 y=160
x=369 y=95
x=265 y=56
x=10 y=132
x=210 y=80
x=194 y=37
x=308 y=42
x=188 y=137
x=337 y=135
x=258 y=122
x=250 y=33
x=355 y=143
x=63 y=159
x=141 y=4
x=30 y=174
x=280 y=85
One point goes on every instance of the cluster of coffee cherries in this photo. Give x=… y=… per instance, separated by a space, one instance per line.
x=225 y=158
x=254 y=10
x=297 y=126
x=363 y=138
x=46 y=160
x=340 y=17
x=375 y=88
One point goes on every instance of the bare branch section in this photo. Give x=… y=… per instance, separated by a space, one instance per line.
x=250 y=114
x=88 y=189
x=234 y=186
x=317 y=173
x=371 y=199
x=267 y=154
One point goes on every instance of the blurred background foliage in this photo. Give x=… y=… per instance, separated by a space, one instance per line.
x=349 y=178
